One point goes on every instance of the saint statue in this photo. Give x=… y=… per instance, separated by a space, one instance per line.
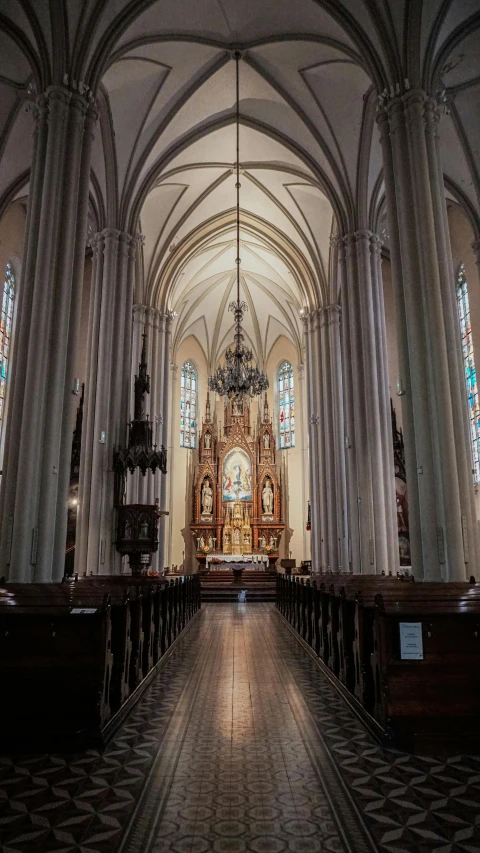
x=144 y=530
x=267 y=498
x=201 y=543
x=210 y=542
x=207 y=497
x=208 y=439
x=272 y=542
x=262 y=542
x=226 y=539
x=236 y=536
x=266 y=440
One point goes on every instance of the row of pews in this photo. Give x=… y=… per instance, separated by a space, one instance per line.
x=405 y=655
x=75 y=656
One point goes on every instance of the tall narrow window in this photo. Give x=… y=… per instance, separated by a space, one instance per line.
x=286 y=404
x=470 y=369
x=6 y=332
x=188 y=405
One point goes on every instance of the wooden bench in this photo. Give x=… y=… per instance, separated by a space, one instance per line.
x=55 y=667
x=352 y=622
x=83 y=647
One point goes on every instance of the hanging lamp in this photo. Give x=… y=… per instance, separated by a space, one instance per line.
x=238 y=378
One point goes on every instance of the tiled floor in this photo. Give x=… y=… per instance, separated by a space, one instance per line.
x=240 y=744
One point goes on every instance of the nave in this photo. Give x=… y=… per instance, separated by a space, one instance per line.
x=240 y=743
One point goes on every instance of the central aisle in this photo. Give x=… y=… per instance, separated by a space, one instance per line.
x=243 y=768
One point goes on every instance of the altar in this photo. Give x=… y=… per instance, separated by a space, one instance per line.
x=237 y=512
x=223 y=561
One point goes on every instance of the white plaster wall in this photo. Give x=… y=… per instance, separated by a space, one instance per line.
x=182 y=462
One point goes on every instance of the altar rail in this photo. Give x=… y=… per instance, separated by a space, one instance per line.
x=405 y=655
x=75 y=656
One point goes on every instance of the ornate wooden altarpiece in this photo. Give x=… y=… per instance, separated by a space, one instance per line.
x=237 y=505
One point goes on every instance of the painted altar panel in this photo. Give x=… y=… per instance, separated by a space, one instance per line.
x=237 y=476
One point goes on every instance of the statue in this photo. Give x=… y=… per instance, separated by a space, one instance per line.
x=144 y=530
x=246 y=539
x=267 y=498
x=236 y=536
x=201 y=543
x=262 y=541
x=207 y=497
x=272 y=542
x=266 y=440
x=226 y=539
x=142 y=387
x=210 y=542
x=208 y=440
x=127 y=531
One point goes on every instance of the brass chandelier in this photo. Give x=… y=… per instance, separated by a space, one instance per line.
x=239 y=377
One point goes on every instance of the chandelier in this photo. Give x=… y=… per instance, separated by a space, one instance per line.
x=239 y=377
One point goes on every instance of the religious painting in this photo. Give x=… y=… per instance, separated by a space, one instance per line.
x=237 y=476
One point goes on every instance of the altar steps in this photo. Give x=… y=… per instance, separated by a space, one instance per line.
x=219 y=585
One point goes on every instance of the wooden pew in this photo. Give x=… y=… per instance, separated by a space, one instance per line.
x=55 y=667
x=78 y=650
x=435 y=701
x=352 y=622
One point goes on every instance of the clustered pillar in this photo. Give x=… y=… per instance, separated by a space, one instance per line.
x=36 y=471
x=443 y=533
x=107 y=400
x=325 y=415
x=368 y=436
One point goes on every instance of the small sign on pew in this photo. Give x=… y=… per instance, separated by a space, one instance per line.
x=411 y=641
x=83 y=610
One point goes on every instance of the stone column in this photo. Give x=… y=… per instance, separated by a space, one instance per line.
x=313 y=420
x=37 y=464
x=442 y=513
x=303 y=436
x=166 y=492
x=328 y=431
x=107 y=385
x=352 y=561
x=334 y=342
x=369 y=408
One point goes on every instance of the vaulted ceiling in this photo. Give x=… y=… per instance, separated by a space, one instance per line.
x=164 y=152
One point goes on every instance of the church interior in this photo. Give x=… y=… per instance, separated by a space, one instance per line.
x=240 y=426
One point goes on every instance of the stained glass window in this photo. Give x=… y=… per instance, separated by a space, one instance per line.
x=286 y=404
x=188 y=405
x=6 y=332
x=470 y=369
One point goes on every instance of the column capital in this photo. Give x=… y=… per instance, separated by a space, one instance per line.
x=139 y=313
x=333 y=312
x=301 y=371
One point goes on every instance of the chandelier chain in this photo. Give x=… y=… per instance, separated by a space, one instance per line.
x=238 y=378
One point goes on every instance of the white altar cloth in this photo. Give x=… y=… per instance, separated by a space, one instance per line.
x=237 y=558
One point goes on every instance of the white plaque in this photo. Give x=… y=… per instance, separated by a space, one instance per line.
x=84 y=610
x=411 y=641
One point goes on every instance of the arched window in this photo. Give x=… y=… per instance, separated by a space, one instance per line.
x=6 y=332
x=188 y=405
x=470 y=369
x=286 y=406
